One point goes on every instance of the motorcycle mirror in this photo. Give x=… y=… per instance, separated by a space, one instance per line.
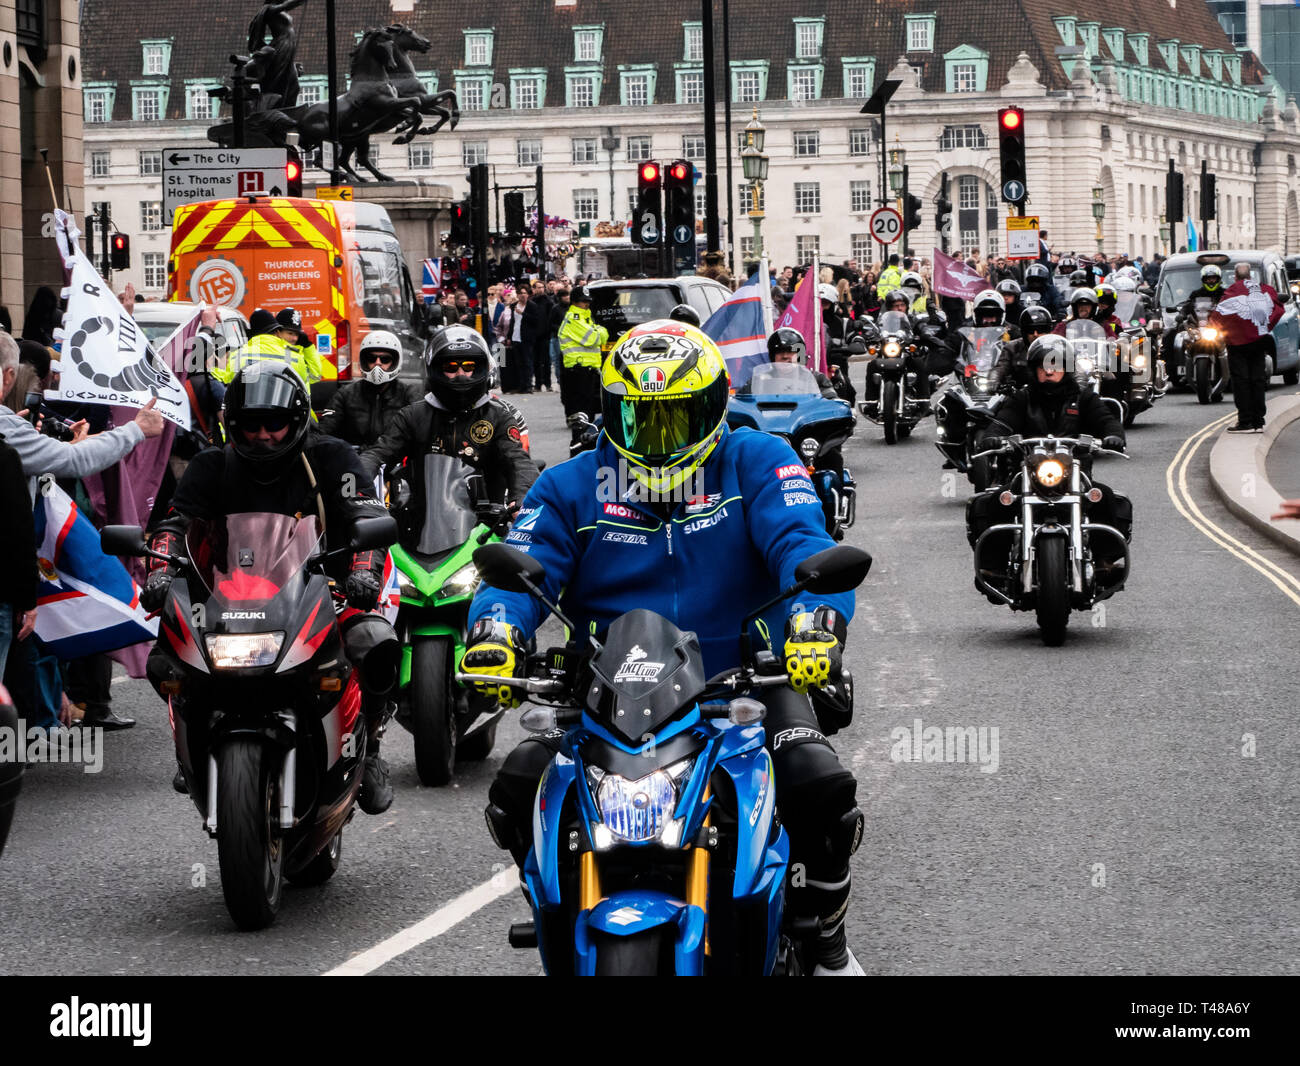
x=123 y=540
x=839 y=569
x=857 y=346
x=508 y=568
x=369 y=534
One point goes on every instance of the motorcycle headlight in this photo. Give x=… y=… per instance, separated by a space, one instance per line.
x=892 y=350
x=808 y=447
x=461 y=583
x=1085 y=364
x=642 y=809
x=1209 y=333
x=1050 y=473
x=230 y=651
x=981 y=381
x=1139 y=361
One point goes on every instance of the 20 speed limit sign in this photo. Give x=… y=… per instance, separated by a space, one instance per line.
x=886 y=225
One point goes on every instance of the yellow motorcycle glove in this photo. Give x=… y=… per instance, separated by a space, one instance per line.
x=814 y=648
x=495 y=649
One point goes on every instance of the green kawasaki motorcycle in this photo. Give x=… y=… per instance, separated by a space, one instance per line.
x=437 y=581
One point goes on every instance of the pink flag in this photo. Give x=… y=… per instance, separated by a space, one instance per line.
x=802 y=313
x=952 y=277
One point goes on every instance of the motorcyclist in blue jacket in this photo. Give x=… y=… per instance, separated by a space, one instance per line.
x=674 y=512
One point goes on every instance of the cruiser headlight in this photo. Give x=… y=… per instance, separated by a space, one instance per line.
x=981 y=381
x=808 y=447
x=1209 y=333
x=642 y=809
x=461 y=583
x=892 y=350
x=230 y=651
x=1085 y=364
x=1139 y=361
x=1050 y=473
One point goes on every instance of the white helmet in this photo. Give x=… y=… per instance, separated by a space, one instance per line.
x=912 y=280
x=1125 y=284
x=380 y=339
x=990 y=299
x=827 y=292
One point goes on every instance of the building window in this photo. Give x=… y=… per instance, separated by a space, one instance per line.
x=150 y=164
x=803 y=83
x=586 y=46
x=807 y=143
x=638 y=149
x=747 y=203
x=690 y=87
x=694 y=52
x=920 y=33
x=586 y=205
x=99 y=164
x=471 y=153
x=858 y=82
x=98 y=105
x=693 y=146
x=148 y=105
x=584 y=149
x=309 y=92
x=527 y=96
x=954 y=137
x=582 y=90
x=528 y=153
x=198 y=104
x=747 y=248
x=963 y=78
x=860 y=247
x=969 y=241
x=807 y=198
x=859 y=196
x=700 y=203
x=155 y=270
x=807 y=245
x=859 y=142
x=636 y=90
x=968 y=192
x=470 y=95
x=418 y=156
x=808 y=38
x=30 y=18
x=478 y=48
x=155 y=57
x=151 y=215
x=748 y=87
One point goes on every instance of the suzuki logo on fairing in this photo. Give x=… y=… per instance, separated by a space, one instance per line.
x=242 y=616
x=635 y=668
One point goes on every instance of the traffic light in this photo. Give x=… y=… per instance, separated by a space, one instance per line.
x=120 y=255
x=1173 y=195
x=912 y=212
x=293 y=172
x=460 y=231
x=679 y=203
x=514 y=204
x=648 y=225
x=1011 y=145
x=943 y=215
x=1207 y=195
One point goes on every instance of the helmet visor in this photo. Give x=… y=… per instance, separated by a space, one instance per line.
x=263 y=391
x=657 y=429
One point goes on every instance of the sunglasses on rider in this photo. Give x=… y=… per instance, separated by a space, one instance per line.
x=466 y=366
x=270 y=423
x=375 y=355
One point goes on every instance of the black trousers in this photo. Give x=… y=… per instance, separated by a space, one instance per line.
x=815 y=795
x=1246 y=367
x=542 y=363
x=580 y=391
x=89 y=681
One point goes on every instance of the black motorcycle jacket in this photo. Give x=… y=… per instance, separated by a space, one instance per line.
x=1187 y=313
x=360 y=413
x=487 y=437
x=1010 y=372
x=1067 y=413
x=220 y=482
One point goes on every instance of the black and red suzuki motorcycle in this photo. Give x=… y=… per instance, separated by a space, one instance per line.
x=264 y=707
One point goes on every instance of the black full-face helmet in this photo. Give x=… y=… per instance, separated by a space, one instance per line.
x=450 y=351
x=267 y=394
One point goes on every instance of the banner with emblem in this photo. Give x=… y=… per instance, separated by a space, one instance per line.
x=106 y=357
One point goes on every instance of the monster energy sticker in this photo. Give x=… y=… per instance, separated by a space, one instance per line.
x=106 y=357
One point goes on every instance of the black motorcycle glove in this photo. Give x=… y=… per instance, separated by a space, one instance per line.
x=161 y=572
x=363 y=585
x=990 y=444
x=1115 y=444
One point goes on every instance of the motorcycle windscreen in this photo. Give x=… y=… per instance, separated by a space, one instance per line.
x=1201 y=307
x=448 y=510
x=1127 y=307
x=249 y=558
x=783 y=379
x=1090 y=340
x=646 y=670
x=894 y=322
x=985 y=346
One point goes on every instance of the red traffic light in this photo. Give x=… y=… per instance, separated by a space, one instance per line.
x=293 y=170
x=119 y=242
x=1010 y=119
x=678 y=172
x=650 y=172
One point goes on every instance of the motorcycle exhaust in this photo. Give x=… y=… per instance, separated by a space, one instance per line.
x=211 y=824
x=288 y=783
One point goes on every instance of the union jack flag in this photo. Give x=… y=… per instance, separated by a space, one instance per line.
x=432 y=280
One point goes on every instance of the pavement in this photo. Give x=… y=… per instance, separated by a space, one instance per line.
x=1254 y=472
x=1140 y=817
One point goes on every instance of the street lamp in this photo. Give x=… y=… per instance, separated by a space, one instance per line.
x=897 y=156
x=1099 y=212
x=1164 y=234
x=753 y=163
x=610 y=142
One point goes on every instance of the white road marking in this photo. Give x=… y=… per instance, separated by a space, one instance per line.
x=444 y=918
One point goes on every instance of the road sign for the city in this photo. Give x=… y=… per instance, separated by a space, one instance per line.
x=886 y=225
x=1022 y=237
x=190 y=174
x=333 y=192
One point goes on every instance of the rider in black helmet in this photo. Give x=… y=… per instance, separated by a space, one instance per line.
x=685 y=313
x=1011 y=371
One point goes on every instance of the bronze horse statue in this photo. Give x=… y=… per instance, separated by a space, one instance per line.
x=407 y=83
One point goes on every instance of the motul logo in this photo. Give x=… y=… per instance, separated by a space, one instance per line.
x=794 y=470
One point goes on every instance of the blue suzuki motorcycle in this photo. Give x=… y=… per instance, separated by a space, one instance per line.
x=784 y=399
x=656 y=844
